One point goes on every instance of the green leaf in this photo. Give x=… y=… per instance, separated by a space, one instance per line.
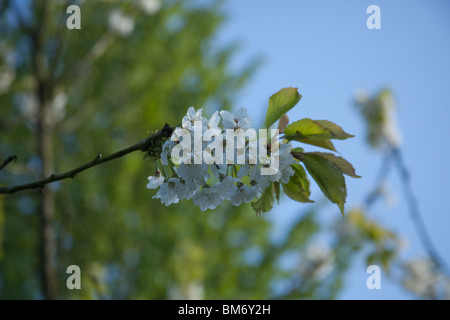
x=299 y=150
x=336 y=131
x=265 y=202
x=280 y=103
x=316 y=132
x=307 y=128
x=298 y=186
x=310 y=132
x=329 y=178
x=319 y=142
x=345 y=166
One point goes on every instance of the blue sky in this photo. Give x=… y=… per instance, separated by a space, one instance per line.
x=325 y=49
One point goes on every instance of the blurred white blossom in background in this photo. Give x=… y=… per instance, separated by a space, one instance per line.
x=317 y=262
x=58 y=106
x=422 y=278
x=191 y=291
x=150 y=7
x=120 y=23
x=28 y=105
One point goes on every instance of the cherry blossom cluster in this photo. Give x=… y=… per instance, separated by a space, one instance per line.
x=208 y=171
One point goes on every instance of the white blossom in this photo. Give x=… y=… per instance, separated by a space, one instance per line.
x=193 y=174
x=218 y=169
x=183 y=191
x=285 y=159
x=245 y=170
x=243 y=194
x=207 y=198
x=239 y=120
x=262 y=181
x=155 y=181
x=226 y=187
x=167 y=192
x=213 y=122
x=191 y=117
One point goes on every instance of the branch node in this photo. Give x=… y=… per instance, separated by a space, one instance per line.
x=167 y=129
x=165 y=132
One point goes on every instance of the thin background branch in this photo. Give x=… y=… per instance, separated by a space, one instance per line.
x=8 y=160
x=415 y=214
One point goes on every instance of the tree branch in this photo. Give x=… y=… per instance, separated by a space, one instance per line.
x=383 y=173
x=394 y=156
x=8 y=160
x=143 y=145
x=415 y=214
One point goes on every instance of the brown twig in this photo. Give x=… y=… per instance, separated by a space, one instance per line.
x=143 y=145
x=8 y=160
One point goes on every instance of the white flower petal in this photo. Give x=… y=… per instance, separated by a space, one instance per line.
x=154 y=182
x=228 y=119
x=193 y=174
x=167 y=193
x=226 y=187
x=245 y=170
x=191 y=113
x=207 y=198
x=241 y=113
x=213 y=122
x=244 y=194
